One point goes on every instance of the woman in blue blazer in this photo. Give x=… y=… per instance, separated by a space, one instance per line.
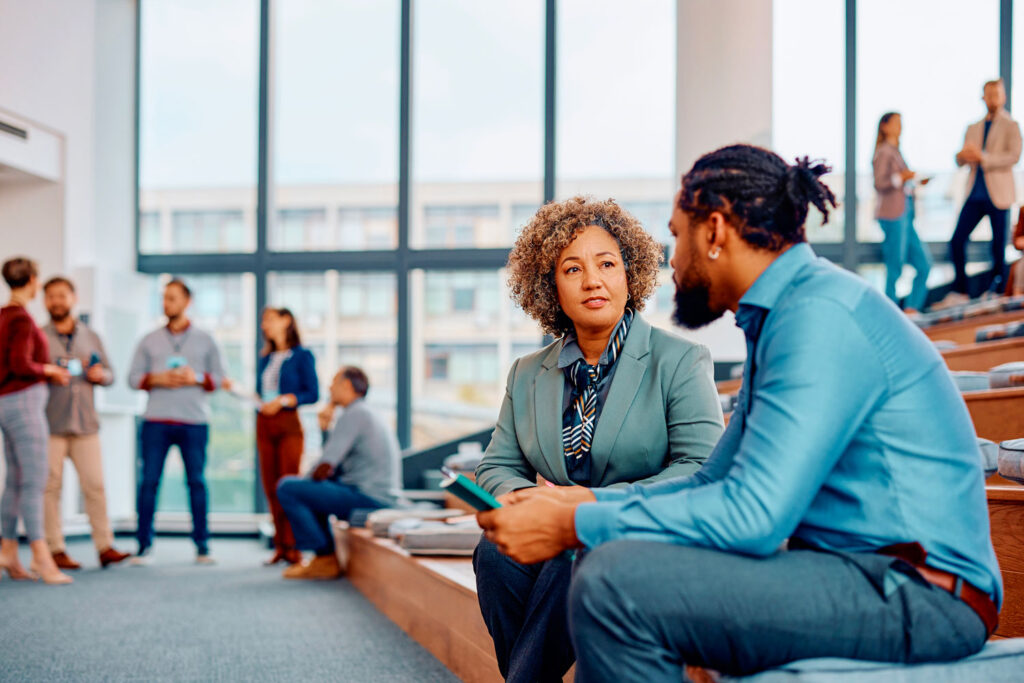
x=285 y=380
x=612 y=401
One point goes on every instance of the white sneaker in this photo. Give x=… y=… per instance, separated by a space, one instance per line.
x=142 y=558
x=205 y=558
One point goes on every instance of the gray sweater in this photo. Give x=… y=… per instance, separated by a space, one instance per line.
x=364 y=453
x=160 y=350
x=70 y=410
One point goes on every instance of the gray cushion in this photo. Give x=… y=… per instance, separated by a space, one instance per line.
x=1006 y=375
x=1011 y=461
x=970 y=381
x=990 y=332
x=983 y=308
x=379 y=521
x=439 y=538
x=989 y=456
x=1000 y=661
x=944 y=344
x=1013 y=303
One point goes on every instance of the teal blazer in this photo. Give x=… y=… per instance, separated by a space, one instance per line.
x=661 y=419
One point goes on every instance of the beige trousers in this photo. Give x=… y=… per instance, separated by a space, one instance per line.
x=84 y=453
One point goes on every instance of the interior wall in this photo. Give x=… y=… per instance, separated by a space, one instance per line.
x=69 y=67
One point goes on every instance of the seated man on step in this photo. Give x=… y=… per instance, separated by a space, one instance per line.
x=359 y=469
x=849 y=439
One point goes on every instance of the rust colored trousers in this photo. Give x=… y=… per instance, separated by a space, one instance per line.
x=279 y=442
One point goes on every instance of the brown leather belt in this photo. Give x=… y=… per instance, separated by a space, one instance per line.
x=974 y=598
x=978 y=600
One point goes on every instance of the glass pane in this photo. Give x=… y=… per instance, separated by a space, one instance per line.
x=223 y=305
x=478 y=115
x=816 y=131
x=197 y=126
x=466 y=333
x=616 y=105
x=905 y=64
x=344 y=319
x=335 y=125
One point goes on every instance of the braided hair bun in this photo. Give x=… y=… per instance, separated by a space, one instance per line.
x=764 y=197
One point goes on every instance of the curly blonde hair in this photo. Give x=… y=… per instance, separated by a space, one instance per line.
x=531 y=265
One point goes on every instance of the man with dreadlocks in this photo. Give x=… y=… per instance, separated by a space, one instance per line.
x=849 y=440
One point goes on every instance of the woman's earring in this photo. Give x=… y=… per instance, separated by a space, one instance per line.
x=713 y=254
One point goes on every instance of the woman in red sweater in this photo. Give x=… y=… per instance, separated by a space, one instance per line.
x=24 y=371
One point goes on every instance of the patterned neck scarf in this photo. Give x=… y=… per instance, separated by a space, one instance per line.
x=580 y=420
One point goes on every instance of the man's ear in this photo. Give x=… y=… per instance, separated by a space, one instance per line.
x=717 y=226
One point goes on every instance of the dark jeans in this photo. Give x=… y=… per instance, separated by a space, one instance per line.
x=641 y=611
x=525 y=609
x=308 y=504
x=970 y=215
x=157 y=438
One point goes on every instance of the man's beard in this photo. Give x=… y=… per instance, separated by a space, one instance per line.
x=59 y=316
x=693 y=299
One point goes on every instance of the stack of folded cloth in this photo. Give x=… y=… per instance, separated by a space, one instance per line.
x=1011 y=460
x=379 y=521
x=970 y=381
x=1006 y=375
x=989 y=456
x=1004 y=331
x=435 y=537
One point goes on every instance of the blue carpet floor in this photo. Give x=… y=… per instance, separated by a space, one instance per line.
x=176 y=621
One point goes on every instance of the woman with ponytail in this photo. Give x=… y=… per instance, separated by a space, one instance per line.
x=842 y=513
x=894 y=209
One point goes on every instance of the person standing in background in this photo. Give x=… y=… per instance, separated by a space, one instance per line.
x=24 y=370
x=991 y=148
x=285 y=380
x=178 y=365
x=895 y=213
x=74 y=425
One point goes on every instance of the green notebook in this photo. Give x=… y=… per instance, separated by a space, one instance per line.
x=467 y=490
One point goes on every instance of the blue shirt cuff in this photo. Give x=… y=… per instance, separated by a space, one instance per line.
x=595 y=523
x=606 y=495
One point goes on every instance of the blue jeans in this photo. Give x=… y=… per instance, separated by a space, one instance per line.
x=525 y=607
x=970 y=215
x=902 y=245
x=642 y=610
x=157 y=438
x=308 y=504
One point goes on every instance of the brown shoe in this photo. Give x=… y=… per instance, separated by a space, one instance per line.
x=321 y=567
x=64 y=562
x=275 y=558
x=293 y=556
x=112 y=556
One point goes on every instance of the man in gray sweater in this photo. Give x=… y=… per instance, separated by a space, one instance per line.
x=359 y=469
x=178 y=365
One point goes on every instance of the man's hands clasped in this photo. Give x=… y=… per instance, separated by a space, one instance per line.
x=535 y=524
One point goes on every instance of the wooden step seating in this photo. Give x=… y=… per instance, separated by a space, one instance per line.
x=983 y=356
x=433 y=599
x=997 y=414
x=963 y=331
x=1006 y=516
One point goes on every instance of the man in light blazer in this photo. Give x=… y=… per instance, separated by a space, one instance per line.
x=991 y=148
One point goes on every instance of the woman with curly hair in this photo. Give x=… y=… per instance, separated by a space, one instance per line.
x=611 y=402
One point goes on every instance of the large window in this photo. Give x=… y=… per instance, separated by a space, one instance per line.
x=335 y=125
x=478 y=129
x=811 y=127
x=198 y=109
x=905 y=64
x=402 y=145
x=466 y=333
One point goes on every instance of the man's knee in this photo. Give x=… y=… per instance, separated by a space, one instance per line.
x=287 y=488
x=596 y=582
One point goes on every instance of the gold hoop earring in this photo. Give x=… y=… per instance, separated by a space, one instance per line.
x=713 y=254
